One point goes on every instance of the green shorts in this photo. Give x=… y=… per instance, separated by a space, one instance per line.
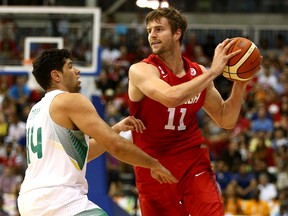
x=93 y=212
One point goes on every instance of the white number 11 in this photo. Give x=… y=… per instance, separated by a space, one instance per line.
x=169 y=125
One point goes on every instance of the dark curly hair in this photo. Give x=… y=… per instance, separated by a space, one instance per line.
x=175 y=19
x=51 y=59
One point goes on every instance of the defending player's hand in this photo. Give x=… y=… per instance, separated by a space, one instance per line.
x=162 y=175
x=130 y=123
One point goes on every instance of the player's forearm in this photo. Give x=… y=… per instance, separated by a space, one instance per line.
x=232 y=106
x=182 y=93
x=128 y=152
x=95 y=149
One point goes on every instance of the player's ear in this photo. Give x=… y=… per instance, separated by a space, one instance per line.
x=55 y=75
x=178 y=34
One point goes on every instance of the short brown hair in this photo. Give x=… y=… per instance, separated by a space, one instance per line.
x=175 y=19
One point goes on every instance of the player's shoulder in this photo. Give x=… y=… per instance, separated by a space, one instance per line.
x=70 y=99
x=65 y=95
x=139 y=66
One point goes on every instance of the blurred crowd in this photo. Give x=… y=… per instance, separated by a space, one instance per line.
x=250 y=161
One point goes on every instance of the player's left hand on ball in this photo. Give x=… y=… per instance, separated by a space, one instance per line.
x=131 y=123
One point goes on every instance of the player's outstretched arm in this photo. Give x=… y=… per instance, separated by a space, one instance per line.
x=79 y=113
x=126 y=124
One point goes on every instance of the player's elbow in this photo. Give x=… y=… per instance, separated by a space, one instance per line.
x=171 y=103
x=117 y=146
x=114 y=148
x=227 y=125
x=172 y=100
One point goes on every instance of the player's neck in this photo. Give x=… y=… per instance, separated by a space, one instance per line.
x=174 y=63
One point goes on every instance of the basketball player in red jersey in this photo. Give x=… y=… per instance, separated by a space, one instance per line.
x=166 y=90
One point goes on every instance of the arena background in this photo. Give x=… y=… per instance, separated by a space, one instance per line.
x=120 y=23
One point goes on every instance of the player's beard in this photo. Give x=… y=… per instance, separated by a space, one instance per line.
x=167 y=47
x=75 y=89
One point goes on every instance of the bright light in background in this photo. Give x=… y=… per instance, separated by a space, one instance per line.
x=154 y=4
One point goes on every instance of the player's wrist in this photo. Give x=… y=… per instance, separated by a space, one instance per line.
x=155 y=164
x=116 y=128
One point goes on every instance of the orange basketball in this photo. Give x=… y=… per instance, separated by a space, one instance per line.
x=244 y=65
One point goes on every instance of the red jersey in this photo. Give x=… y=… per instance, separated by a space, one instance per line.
x=169 y=132
x=173 y=137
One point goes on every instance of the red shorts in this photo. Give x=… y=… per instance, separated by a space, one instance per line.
x=195 y=194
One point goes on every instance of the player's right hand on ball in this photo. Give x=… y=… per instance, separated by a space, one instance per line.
x=221 y=57
x=162 y=175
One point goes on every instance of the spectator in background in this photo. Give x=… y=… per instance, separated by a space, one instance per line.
x=113 y=176
x=264 y=47
x=242 y=126
x=139 y=24
x=280 y=42
x=283 y=199
x=5 y=83
x=254 y=139
x=232 y=202
x=267 y=77
x=142 y=50
x=201 y=57
x=232 y=156
x=103 y=82
x=282 y=166
x=3 y=127
x=267 y=189
x=223 y=174
x=19 y=91
x=262 y=122
x=245 y=181
x=9 y=187
x=272 y=103
x=255 y=206
x=8 y=45
x=283 y=57
x=16 y=129
x=263 y=153
x=281 y=120
x=216 y=137
x=243 y=146
x=112 y=114
x=279 y=138
x=109 y=52
x=9 y=156
x=209 y=46
x=2 y=211
x=188 y=47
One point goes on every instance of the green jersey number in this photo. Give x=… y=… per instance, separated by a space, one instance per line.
x=32 y=146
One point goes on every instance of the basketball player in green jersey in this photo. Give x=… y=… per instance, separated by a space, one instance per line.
x=58 y=144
